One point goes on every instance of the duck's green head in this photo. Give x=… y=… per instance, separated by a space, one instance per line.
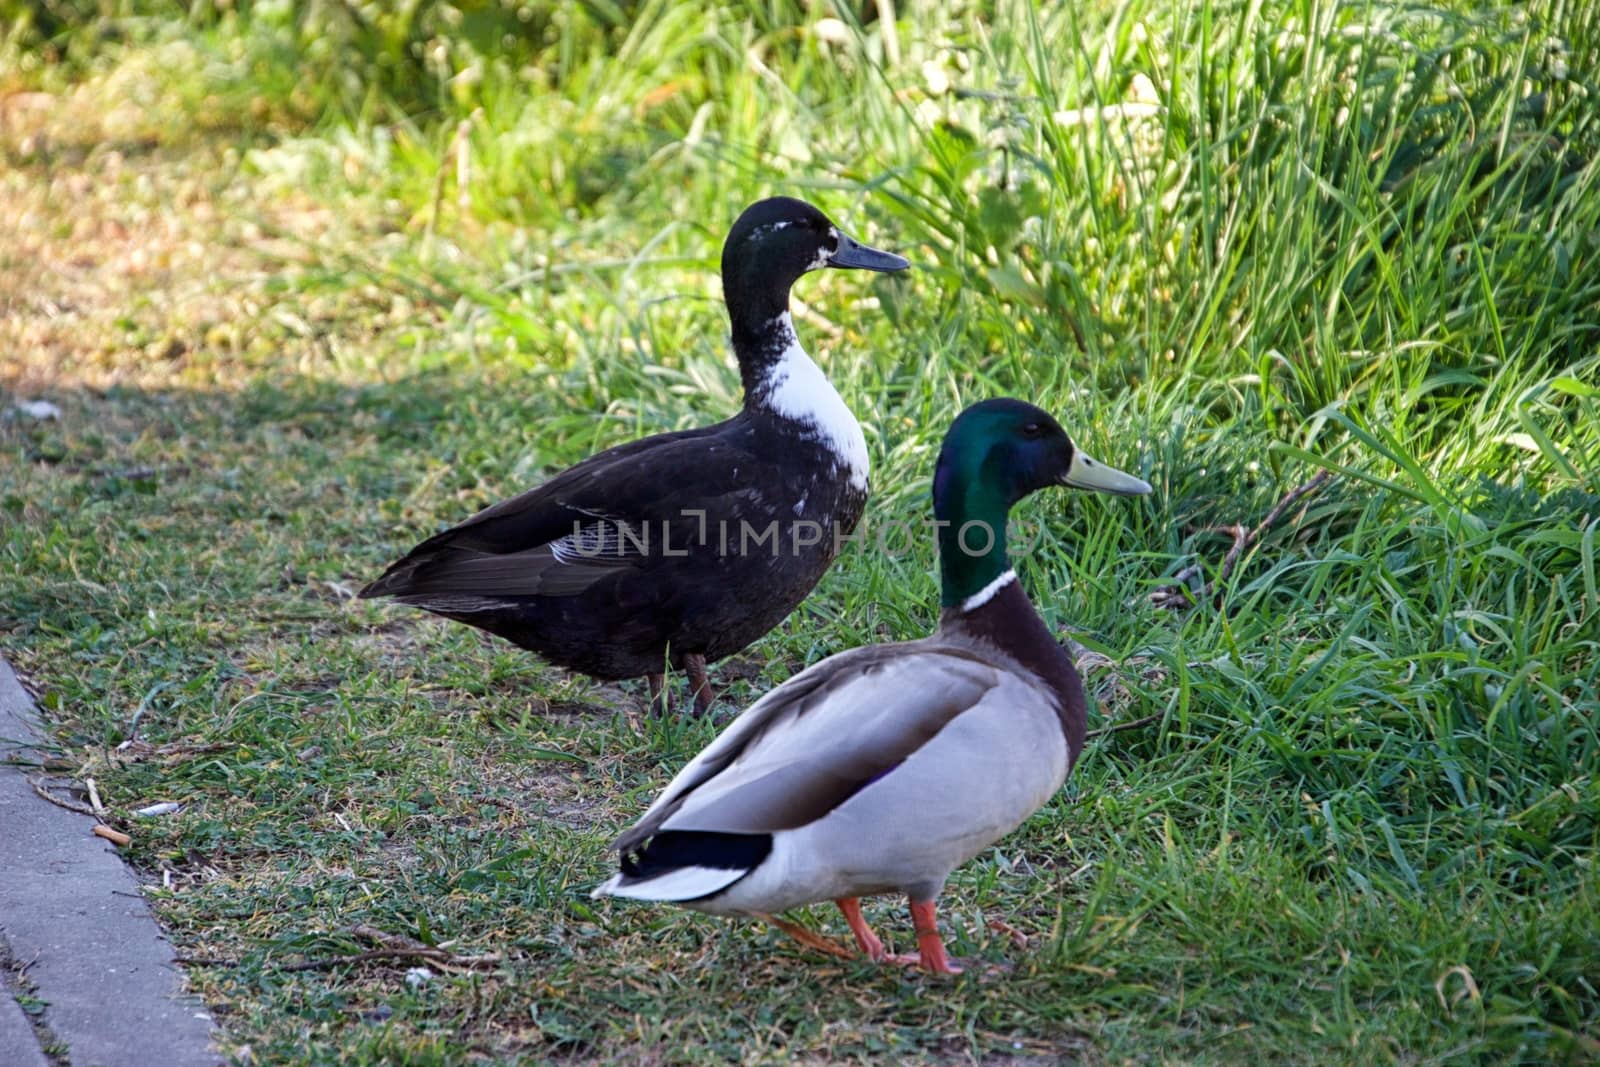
x=772 y=244
x=996 y=453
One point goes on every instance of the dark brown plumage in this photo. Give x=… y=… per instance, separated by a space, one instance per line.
x=684 y=547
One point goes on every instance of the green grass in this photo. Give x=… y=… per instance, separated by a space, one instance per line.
x=296 y=317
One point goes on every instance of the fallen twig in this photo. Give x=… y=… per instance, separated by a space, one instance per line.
x=1113 y=691
x=326 y=962
x=1015 y=936
x=1178 y=596
x=1117 y=728
x=397 y=946
x=71 y=805
x=138 y=751
x=20 y=969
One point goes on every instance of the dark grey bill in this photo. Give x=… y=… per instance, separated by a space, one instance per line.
x=852 y=253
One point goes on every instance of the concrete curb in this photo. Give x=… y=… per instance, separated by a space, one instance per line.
x=19 y=1047
x=72 y=916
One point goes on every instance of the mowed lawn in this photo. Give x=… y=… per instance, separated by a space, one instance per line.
x=308 y=285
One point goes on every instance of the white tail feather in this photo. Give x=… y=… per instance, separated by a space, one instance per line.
x=683 y=883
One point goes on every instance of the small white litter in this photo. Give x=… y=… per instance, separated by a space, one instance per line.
x=166 y=807
x=38 y=410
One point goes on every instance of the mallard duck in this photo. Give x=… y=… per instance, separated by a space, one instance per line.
x=684 y=547
x=882 y=769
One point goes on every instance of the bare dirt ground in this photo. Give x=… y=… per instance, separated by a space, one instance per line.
x=127 y=246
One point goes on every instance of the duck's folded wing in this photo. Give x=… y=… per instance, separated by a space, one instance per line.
x=634 y=481
x=818 y=739
x=615 y=512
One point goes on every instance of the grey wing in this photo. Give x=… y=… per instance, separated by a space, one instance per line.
x=816 y=740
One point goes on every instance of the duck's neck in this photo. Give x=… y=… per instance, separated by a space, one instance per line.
x=972 y=540
x=761 y=350
x=1001 y=615
x=780 y=380
x=756 y=299
x=983 y=601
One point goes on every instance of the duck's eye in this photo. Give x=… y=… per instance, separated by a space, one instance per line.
x=1032 y=431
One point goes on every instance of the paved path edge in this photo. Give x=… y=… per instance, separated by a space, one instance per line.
x=73 y=920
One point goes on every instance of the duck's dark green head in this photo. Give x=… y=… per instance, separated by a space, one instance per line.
x=996 y=453
x=771 y=245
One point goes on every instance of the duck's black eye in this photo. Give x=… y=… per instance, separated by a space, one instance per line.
x=1032 y=431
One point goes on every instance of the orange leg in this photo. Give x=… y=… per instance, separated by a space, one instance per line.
x=871 y=946
x=807 y=938
x=929 y=945
x=698 y=683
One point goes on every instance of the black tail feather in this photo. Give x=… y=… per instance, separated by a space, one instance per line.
x=674 y=849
